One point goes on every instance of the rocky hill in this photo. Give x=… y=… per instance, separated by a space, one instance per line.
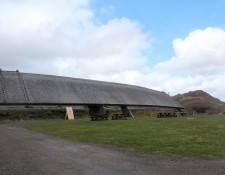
x=200 y=102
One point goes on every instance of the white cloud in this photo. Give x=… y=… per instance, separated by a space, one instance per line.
x=40 y=29
x=107 y=10
x=64 y=37
x=107 y=49
x=198 y=63
x=202 y=51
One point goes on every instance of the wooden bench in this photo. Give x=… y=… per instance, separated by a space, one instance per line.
x=119 y=117
x=166 y=114
x=96 y=117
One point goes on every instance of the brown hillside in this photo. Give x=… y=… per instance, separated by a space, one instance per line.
x=200 y=102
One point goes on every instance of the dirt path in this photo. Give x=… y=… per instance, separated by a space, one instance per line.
x=23 y=152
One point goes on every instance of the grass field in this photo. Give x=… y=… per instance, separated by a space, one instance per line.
x=202 y=137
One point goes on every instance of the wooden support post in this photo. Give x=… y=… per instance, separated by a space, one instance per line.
x=126 y=111
x=69 y=113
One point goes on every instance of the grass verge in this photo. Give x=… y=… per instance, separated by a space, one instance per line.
x=202 y=137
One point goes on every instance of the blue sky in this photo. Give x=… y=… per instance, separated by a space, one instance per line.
x=165 y=19
x=174 y=46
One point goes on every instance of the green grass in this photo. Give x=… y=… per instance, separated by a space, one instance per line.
x=202 y=137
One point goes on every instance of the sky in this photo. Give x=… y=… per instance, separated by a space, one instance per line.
x=168 y=45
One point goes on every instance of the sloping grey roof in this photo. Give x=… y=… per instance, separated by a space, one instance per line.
x=26 y=88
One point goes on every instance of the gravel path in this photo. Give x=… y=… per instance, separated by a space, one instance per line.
x=24 y=152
